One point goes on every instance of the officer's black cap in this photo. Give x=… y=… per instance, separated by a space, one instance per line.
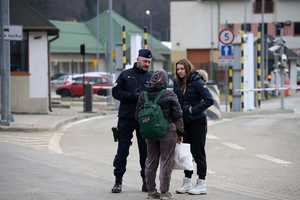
x=146 y=53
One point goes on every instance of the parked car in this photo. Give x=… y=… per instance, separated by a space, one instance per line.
x=57 y=75
x=60 y=81
x=74 y=88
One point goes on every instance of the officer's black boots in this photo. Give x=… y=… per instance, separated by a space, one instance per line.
x=117 y=188
x=144 y=186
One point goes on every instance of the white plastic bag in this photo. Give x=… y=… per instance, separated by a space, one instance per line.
x=183 y=157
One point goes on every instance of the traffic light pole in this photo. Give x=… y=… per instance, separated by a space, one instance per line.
x=98 y=38
x=6 y=116
x=1 y=44
x=282 y=76
x=110 y=49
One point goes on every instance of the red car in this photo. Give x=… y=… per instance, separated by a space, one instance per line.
x=74 y=88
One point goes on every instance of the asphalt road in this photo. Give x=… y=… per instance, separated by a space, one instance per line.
x=249 y=158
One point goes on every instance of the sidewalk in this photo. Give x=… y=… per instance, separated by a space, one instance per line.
x=59 y=116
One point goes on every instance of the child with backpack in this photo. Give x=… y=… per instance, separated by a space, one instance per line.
x=153 y=103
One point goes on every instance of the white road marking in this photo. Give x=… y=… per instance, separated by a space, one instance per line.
x=233 y=146
x=273 y=159
x=54 y=143
x=79 y=122
x=214 y=122
x=212 y=137
x=35 y=141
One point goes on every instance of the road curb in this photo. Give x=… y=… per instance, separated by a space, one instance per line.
x=57 y=126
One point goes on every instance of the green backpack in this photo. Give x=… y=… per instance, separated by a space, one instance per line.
x=151 y=119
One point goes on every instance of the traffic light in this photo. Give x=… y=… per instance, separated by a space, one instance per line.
x=284 y=61
x=82 y=49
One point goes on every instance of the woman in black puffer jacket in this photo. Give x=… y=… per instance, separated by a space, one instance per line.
x=194 y=99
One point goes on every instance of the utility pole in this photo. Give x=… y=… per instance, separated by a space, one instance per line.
x=6 y=116
x=109 y=38
x=1 y=44
x=211 y=52
x=218 y=30
x=245 y=12
x=219 y=16
x=98 y=37
x=282 y=67
x=263 y=49
x=148 y=12
x=109 y=47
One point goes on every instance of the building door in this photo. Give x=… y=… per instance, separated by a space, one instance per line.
x=200 y=58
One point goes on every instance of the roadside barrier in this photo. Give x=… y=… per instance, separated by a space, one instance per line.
x=145 y=38
x=230 y=87
x=242 y=33
x=287 y=92
x=214 y=111
x=124 y=48
x=268 y=89
x=258 y=68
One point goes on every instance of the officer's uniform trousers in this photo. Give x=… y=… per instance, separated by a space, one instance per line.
x=126 y=127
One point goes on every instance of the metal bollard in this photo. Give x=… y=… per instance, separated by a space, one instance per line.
x=88 y=98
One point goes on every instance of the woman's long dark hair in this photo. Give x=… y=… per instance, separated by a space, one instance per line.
x=188 y=68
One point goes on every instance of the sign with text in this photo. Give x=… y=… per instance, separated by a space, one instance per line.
x=13 y=32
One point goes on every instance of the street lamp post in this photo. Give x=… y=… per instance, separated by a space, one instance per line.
x=110 y=48
x=148 y=12
x=6 y=116
x=263 y=51
x=280 y=60
x=282 y=67
x=98 y=38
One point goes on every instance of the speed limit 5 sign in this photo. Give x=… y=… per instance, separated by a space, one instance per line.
x=226 y=36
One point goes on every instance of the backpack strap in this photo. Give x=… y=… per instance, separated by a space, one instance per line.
x=159 y=95
x=146 y=97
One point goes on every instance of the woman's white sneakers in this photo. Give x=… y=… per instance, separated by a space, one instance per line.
x=187 y=187
x=199 y=188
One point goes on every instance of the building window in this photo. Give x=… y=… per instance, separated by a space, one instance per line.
x=269 y=6
x=297 y=28
x=278 y=28
x=19 y=55
x=246 y=27
x=265 y=28
x=65 y=67
x=230 y=26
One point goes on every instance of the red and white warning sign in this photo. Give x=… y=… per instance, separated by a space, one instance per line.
x=226 y=36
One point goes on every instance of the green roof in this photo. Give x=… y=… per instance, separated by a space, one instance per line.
x=118 y=22
x=71 y=36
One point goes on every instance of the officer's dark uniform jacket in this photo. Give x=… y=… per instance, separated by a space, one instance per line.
x=130 y=84
x=197 y=96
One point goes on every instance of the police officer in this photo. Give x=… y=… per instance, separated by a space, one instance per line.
x=130 y=84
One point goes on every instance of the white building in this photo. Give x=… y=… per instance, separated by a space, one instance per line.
x=30 y=60
x=195 y=24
